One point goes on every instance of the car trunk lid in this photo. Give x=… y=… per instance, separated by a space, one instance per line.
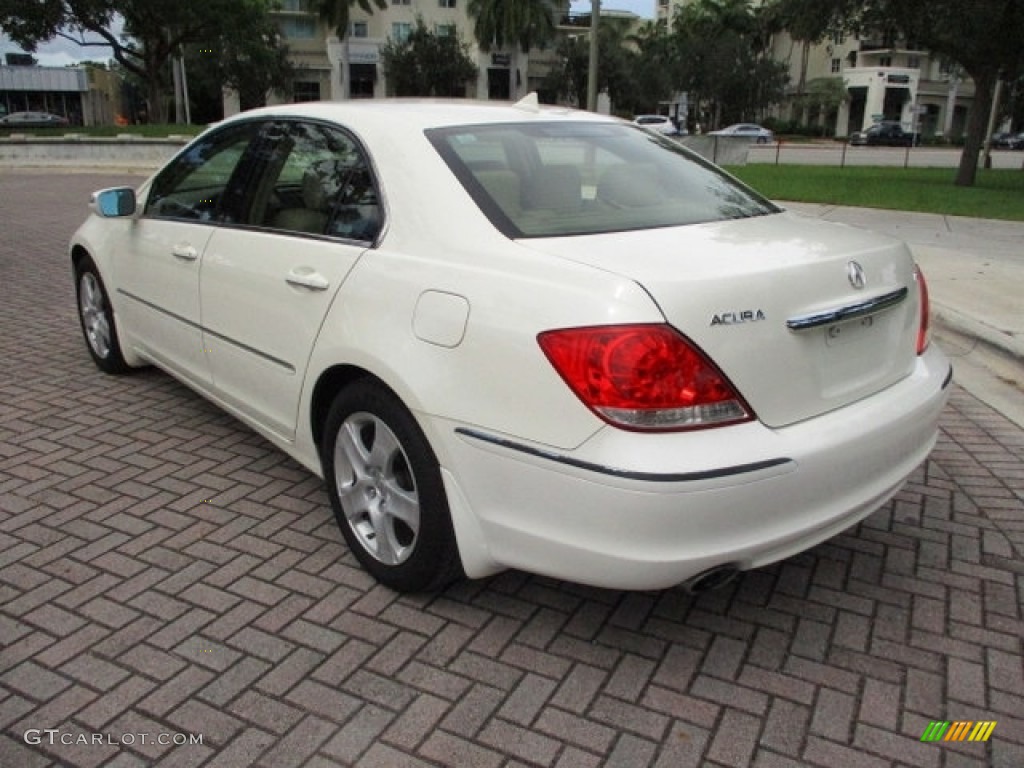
x=802 y=316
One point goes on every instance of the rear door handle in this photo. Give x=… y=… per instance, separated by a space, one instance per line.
x=185 y=252
x=306 y=277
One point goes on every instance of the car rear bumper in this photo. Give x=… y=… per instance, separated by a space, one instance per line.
x=649 y=511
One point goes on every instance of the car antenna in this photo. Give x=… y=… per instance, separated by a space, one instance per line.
x=529 y=103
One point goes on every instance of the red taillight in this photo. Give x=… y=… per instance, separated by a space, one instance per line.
x=924 y=327
x=643 y=377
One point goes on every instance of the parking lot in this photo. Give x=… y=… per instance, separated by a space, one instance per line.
x=175 y=592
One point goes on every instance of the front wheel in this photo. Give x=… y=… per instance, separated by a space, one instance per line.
x=97 y=319
x=385 y=487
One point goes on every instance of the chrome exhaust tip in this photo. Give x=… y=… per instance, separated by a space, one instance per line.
x=713 y=578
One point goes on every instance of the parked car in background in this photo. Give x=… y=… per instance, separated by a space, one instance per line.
x=660 y=123
x=32 y=120
x=755 y=133
x=888 y=133
x=511 y=336
x=1008 y=140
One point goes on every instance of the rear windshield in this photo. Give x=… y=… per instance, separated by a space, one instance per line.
x=565 y=178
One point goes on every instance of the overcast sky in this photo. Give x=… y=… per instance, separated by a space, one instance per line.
x=59 y=53
x=643 y=8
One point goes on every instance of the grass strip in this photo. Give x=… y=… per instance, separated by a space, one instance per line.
x=997 y=194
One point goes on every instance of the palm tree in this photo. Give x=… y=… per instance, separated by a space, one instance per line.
x=336 y=13
x=497 y=23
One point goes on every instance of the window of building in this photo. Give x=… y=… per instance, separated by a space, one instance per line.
x=298 y=28
x=885 y=61
x=837 y=65
x=401 y=2
x=400 y=31
x=361 y=78
x=445 y=30
x=360 y=29
x=838 y=38
x=295 y=6
x=306 y=90
x=446 y=3
x=914 y=62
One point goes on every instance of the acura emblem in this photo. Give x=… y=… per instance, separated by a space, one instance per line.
x=855 y=273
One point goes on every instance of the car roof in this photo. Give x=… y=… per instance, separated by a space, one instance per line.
x=404 y=115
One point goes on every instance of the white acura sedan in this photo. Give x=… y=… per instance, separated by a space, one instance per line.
x=511 y=336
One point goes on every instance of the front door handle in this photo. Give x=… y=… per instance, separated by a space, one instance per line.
x=185 y=252
x=307 y=277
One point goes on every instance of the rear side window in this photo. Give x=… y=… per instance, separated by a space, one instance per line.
x=565 y=178
x=316 y=181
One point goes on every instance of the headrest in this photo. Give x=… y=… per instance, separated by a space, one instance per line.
x=554 y=188
x=321 y=183
x=630 y=186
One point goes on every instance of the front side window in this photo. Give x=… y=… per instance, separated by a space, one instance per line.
x=400 y=31
x=195 y=184
x=566 y=178
x=317 y=181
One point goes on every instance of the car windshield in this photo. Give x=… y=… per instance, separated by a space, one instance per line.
x=566 y=178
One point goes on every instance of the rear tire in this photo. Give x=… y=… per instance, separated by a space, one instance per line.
x=97 y=319
x=385 y=486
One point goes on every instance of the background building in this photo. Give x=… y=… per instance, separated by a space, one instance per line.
x=883 y=79
x=352 y=68
x=58 y=90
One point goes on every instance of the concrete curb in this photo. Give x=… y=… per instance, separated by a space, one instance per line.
x=960 y=323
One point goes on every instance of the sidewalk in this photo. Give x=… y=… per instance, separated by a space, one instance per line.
x=975 y=272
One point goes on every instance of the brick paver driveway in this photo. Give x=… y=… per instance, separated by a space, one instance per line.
x=166 y=574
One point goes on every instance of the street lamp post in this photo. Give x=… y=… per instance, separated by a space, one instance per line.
x=595 y=15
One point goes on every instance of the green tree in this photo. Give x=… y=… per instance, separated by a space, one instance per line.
x=253 y=64
x=724 y=62
x=615 y=72
x=428 y=64
x=336 y=14
x=822 y=96
x=497 y=23
x=806 y=26
x=154 y=32
x=655 y=67
x=567 y=81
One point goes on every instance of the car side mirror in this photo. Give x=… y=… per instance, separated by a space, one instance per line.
x=114 y=202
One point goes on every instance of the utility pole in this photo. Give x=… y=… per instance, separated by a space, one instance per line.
x=595 y=15
x=986 y=156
